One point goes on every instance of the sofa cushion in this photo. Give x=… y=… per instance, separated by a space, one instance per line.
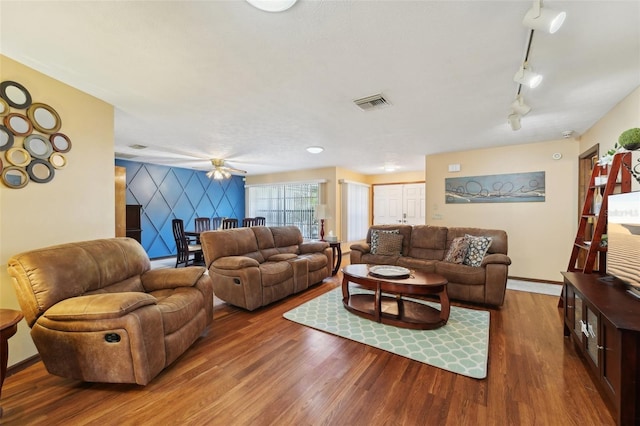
x=424 y=265
x=275 y=273
x=457 y=250
x=428 y=242
x=478 y=247
x=404 y=230
x=315 y=261
x=375 y=238
x=178 y=306
x=461 y=274
x=389 y=244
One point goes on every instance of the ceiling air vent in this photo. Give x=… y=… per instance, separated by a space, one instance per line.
x=124 y=156
x=372 y=102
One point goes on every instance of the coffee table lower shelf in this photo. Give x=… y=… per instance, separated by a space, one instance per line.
x=395 y=311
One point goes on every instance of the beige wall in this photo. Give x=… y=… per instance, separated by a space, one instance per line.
x=541 y=233
x=78 y=204
x=625 y=115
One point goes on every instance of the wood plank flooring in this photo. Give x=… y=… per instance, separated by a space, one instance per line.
x=257 y=368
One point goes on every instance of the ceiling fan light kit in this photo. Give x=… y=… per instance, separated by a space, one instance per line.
x=221 y=171
x=541 y=19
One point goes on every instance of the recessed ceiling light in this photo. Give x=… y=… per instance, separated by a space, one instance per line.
x=390 y=168
x=272 y=5
x=315 y=149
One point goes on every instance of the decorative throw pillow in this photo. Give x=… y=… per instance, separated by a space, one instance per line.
x=457 y=250
x=478 y=247
x=389 y=244
x=375 y=233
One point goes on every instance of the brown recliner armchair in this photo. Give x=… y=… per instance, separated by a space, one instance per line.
x=98 y=313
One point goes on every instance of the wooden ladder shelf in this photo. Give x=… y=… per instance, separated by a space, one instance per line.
x=596 y=260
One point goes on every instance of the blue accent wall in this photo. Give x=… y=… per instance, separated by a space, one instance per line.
x=167 y=193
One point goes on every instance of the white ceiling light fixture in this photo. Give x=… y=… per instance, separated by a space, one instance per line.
x=514 y=121
x=388 y=167
x=527 y=77
x=272 y=5
x=520 y=107
x=315 y=149
x=543 y=19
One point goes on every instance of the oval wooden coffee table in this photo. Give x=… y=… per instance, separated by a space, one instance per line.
x=396 y=310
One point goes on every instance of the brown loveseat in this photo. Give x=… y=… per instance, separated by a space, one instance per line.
x=99 y=314
x=252 y=267
x=424 y=247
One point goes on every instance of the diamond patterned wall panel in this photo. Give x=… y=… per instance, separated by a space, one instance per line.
x=168 y=193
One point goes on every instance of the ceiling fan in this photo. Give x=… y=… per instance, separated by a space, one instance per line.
x=221 y=171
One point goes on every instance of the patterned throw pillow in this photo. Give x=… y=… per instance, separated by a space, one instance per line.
x=457 y=250
x=389 y=244
x=478 y=247
x=375 y=233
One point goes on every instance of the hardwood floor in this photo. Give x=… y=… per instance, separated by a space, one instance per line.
x=257 y=368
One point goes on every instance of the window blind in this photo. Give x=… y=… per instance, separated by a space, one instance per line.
x=355 y=211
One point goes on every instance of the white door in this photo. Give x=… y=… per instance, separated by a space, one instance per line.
x=387 y=204
x=400 y=203
x=413 y=204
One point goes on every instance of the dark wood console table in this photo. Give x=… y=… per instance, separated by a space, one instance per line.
x=603 y=320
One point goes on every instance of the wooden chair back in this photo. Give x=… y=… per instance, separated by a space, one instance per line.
x=202 y=224
x=229 y=223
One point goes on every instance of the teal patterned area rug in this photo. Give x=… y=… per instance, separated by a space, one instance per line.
x=461 y=346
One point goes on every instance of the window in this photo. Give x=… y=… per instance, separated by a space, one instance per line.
x=355 y=211
x=286 y=204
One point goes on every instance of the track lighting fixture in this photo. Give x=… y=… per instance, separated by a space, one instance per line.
x=543 y=19
x=520 y=107
x=514 y=121
x=527 y=77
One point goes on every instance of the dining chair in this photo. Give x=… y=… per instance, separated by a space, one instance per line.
x=261 y=221
x=202 y=224
x=229 y=223
x=216 y=223
x=183 y=248
x=248 y=221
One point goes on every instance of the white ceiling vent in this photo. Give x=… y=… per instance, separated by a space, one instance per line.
x=124 y=156
x=372 y=102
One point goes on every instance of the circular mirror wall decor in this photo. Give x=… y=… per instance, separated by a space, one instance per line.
x=60 y=142
x=18 y=156
x=18 y=124
x=4 y=107
x=15 y=94
x=6 y=138
x=35 y=132
x=44 y=118
x=38 y=146
x=15 y=177
x=40 y=171
x=57 y=160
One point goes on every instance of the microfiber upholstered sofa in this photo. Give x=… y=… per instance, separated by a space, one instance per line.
x=256 y=266
x=98 y=313
x=424 y=247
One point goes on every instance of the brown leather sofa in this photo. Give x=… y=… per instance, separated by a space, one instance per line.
x=256 y=266
x=424 y=248
x=98 y=313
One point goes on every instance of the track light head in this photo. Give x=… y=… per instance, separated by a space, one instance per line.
x=520 y=107
x=543 y=19
x=514 y=121
x=527 y=77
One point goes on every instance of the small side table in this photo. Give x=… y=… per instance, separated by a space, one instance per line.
x=336 y=248
x=9 y=320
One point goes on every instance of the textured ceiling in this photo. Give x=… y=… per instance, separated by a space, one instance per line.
x=221 y=79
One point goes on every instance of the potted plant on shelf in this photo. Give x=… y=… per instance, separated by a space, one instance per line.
x=630 y=139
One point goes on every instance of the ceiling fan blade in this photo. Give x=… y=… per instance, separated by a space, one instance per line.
x=234 y=170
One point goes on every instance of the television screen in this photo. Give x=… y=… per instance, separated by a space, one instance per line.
x=623 y=230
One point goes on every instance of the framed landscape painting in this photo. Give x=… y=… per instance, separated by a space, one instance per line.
x=506 y=188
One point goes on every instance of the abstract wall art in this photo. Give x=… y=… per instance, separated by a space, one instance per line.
x=504 y=188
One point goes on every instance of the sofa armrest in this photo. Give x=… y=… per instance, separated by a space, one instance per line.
x=159 y=279
x=496 y=258
x=313 y=247
x=235 y=262
x=98 y=306
x=362 y=247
